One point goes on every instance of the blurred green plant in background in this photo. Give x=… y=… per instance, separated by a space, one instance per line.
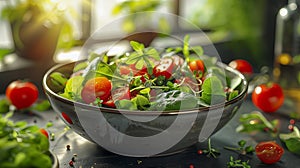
x=241 y=20
x=135 y=21
x=35 y=22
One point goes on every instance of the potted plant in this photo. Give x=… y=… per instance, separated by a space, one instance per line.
x=140 y=22
x=38 y=28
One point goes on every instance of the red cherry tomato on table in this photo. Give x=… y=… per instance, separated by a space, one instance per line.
x=242 y=65
x=197 y=66
x=98 y=87
x=22 y=94
x=268 y=97
x=269 y=152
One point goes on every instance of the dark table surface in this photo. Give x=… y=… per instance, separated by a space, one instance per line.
x=91 y=155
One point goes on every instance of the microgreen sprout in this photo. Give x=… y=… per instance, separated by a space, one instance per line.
x=237 y=163
x=210 y=152
x=242 y=148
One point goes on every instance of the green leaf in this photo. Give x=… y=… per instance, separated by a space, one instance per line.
x=292 y=140
x=141 y=101
x=213 y=91
x=139 y=64
x=80 y=66
x=198 y=50
x=73 y=88
x=125 y=104
x=138 y=47
x=42 y=106
x=233 y=94
x=145 y=91
x=242 y=143
x=58 y=80
x=4 y=105
x=293 y=145
x=153 y=53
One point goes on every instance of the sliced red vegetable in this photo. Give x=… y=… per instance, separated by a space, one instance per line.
x=269 y=152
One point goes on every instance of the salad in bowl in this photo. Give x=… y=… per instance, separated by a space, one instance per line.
x=147 y=101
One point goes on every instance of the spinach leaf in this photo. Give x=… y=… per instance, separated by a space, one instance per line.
x=292 y=140
x=125 y=104
x=73 y=88
x=174 y=100
x=213 y=91
x=293 y=145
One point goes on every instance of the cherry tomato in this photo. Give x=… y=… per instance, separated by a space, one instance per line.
x=242 y=65
x=98 y=87
x=198 y=67
x=164 y=68
x=22 y=94
x=44 y=132
x=143 y=72
x=117 y=94
x=268 y=97
x=269 y=152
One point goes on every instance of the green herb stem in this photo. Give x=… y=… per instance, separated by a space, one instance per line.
x=112 y=76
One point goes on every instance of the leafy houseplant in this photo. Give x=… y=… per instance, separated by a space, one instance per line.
x=38 y=28
x=139 y=20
